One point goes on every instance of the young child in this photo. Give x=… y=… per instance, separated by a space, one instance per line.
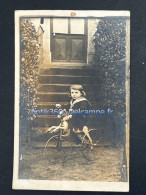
x=79 y=122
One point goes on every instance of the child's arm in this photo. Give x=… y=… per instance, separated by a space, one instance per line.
x=66 y=118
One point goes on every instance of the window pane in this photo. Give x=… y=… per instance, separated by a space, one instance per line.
x=60 y=25
x=77 y=26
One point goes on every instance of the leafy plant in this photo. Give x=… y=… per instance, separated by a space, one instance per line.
x=109 y=61
x=29 y=48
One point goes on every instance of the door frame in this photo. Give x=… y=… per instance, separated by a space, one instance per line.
x=69 y=32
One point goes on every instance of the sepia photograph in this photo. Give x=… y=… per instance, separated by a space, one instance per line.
x=71 y=128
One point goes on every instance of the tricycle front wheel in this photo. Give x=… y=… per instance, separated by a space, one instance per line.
x=58 y=150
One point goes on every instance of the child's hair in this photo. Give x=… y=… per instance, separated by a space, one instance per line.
x=77 y=87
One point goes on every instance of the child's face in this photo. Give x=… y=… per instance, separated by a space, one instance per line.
x=75 y=93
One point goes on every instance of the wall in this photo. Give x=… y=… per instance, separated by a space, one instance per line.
x=46 y=58
x=92 y=26
x=46 y=42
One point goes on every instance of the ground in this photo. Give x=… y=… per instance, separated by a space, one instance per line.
x=106 y=168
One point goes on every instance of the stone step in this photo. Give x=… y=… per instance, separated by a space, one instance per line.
x=67 y=79
x=60 y=97
x=50 y=105
x=68 y=71
x=63 y=87
x=52 y=120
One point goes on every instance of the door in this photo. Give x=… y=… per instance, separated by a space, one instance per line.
x=68 y=46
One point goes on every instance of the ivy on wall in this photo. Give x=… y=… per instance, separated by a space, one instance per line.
x=28 y=72
x=109 y=60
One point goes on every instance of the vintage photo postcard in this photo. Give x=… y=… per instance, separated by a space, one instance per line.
x=72 y=100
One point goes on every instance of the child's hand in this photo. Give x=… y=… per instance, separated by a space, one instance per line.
x=58 y=105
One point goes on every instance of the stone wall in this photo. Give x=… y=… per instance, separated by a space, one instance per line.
x=92 y=27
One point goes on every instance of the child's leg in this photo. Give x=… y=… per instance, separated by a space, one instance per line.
x=85 y=130
x=51 y=128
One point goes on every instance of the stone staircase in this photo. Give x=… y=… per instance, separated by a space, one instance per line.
x=53 y=88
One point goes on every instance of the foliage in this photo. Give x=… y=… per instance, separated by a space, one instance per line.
x=29 y=74
x=109 y=60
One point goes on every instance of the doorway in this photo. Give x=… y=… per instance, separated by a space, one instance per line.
x=69 y=40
